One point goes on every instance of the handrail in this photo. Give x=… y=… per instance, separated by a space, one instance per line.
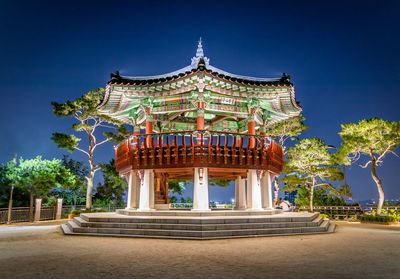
x=204 y=134
x=199 y=148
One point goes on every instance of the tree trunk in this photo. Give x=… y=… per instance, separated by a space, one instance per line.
x=312 y=196
x=89 y=190
x=31 y=198
x=10 y=205
x=378 y=183
x=276 y=191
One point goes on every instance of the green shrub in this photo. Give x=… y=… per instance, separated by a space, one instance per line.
x=79 y=211
x=325 y=216
x=384 y=219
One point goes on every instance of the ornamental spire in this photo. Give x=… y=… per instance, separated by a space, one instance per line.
x=200 y=51
x=199 y=56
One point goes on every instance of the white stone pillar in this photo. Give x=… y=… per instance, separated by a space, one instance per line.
x=152 y=188
x=200 y=189
x=133 y=190
x=253 y=191
x=145 y=189
x=240 y=193
x=38 y=207
x=59 y=208
x=266 y=191
x=236 y=192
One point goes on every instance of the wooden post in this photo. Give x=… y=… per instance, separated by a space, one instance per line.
x=158 y=188
x=252 y=132
x=200 y=118
x=166 y=188
x=149 y=127
x=200 y=122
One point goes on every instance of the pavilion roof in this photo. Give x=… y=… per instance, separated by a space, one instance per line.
x=200 y=63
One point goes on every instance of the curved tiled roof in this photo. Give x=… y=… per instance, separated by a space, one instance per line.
x=142 y=80
x=200 y=63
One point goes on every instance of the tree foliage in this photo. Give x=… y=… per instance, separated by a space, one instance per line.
x=177 y=186
x=286 y=129
x=113 y=186
x=321 y=197
x=281 y=132
x=88 y=121
x=373 y=139
x=220 y=182
x=311 y=165
x=74 y=194
x=38 y=176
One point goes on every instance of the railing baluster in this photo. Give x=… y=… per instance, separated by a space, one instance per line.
x=203 y=147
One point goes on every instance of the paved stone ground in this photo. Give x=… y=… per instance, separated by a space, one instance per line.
x=354 y=251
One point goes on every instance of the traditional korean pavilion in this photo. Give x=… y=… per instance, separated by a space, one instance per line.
x=199 y=123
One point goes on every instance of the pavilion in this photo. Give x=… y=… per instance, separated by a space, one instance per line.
x=198 y=123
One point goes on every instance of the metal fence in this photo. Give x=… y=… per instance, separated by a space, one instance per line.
x=337 y=212
x=18 y=214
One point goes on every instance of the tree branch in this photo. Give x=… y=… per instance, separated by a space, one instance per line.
x=100 y=143
x=366 y=164
x=81 y=150
x=384 y=153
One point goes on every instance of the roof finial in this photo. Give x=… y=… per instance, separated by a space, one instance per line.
x=199 y=52
x=199 y=56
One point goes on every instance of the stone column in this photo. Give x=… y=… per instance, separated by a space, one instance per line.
x=59 y=208
x=200 y=189
x=133 y=190
x=145 y=191
x=151 y=205
x=266 y=191
x=38 y=207
x=240 y=193
x=236 y=191
x=253 y=191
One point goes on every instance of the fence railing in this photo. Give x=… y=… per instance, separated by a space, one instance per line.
x=22 y=214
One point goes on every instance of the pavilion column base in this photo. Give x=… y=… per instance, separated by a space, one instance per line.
x=133 y=190
x=240 y=193
x=146 y=196
x=266 y=191
x=200 y=190
x=254 y=201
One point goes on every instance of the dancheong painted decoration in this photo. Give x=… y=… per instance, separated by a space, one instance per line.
x=199 y=123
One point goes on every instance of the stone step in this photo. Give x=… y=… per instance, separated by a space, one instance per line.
x=209 y=226
x=76 y=229
x=198 y=227
x=212 y=213
x=198 y=220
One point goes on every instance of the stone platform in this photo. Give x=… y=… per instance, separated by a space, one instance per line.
x=178 y=224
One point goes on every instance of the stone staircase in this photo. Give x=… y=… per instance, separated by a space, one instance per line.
x=159 y=198
x=199 y=226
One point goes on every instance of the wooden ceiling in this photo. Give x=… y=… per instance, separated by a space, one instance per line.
x=213 y=173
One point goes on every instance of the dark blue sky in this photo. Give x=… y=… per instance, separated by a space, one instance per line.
x=343 y=57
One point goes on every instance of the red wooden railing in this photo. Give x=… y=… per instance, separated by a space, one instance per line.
x=199 y=149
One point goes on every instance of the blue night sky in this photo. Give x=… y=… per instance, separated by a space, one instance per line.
x=343 y=57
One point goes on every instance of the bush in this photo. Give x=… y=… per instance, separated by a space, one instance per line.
x=382 y=219
x=79 y=211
